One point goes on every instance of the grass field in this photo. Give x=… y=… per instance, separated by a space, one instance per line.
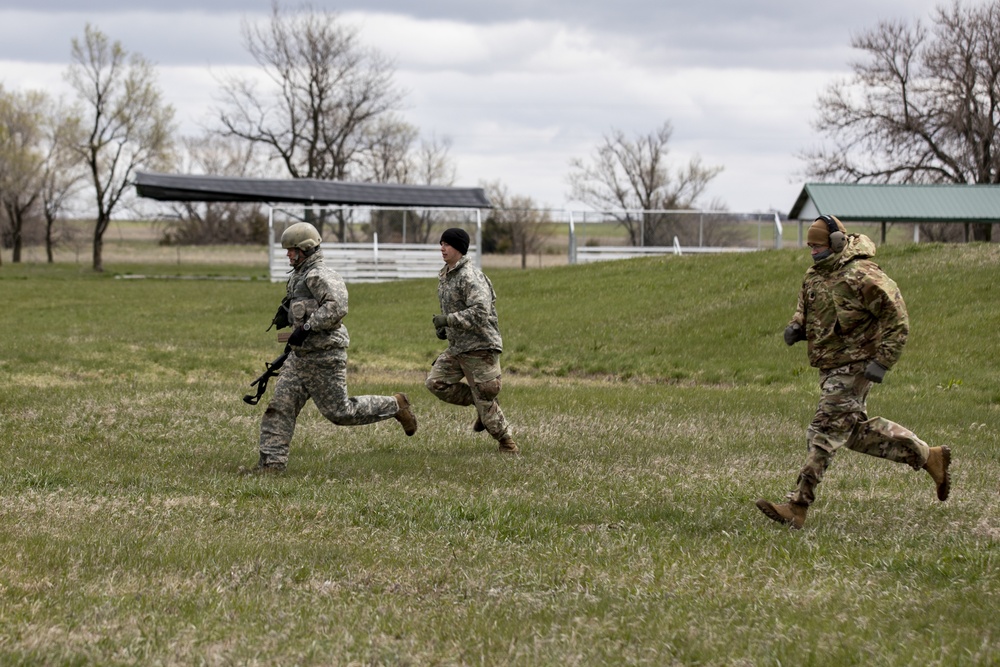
x=653 y=400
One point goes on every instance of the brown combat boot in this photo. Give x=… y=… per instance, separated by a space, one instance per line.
x=478 y=426
x=508 y=446
x=937 y=465
x=405 y=414
x=790 y=514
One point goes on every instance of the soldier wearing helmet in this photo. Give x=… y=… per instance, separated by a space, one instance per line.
x=855 y=323
x=316 y=367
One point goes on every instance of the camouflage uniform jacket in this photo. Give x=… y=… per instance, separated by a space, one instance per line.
x=468 y=300
x=851 y=310
x=317 y=294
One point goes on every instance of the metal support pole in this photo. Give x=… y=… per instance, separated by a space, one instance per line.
x=572 y=240
x=479 y=238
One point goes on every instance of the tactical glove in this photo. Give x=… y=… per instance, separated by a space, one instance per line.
x=442 y=333
x=875 y=371
x=280 y=318
x=794 y=333
x=298 y=336
x=440 y=321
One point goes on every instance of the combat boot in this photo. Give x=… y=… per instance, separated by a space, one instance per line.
x=508 y=446
x=405 y=414
x=790 y=514
x=937 y=465
x=263 y=467
x=478 y=426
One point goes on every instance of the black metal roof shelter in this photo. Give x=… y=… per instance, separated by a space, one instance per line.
x=184 y=187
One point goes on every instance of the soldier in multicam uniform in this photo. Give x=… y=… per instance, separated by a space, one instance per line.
x=469 y=323
x=317 y=364
x=855 y=322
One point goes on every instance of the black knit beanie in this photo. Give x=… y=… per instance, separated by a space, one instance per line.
x=457 y=239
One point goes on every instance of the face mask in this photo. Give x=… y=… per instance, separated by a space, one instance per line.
x=819 y=257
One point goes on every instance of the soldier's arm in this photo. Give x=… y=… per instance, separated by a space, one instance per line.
x=884 y=301
x=799 y=317
x=478 y=299
x=331 y=299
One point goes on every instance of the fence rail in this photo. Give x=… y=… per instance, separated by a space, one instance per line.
x=589 y=254
x=372 y=262
x=591 y=237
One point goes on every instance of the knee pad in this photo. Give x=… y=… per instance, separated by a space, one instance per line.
x=489 y=390
x=435 y=386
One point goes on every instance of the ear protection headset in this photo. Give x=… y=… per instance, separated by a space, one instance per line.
x=837 y=238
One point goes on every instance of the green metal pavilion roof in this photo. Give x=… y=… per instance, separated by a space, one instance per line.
x=899 y=203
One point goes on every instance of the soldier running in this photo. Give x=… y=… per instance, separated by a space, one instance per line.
x=855 y=322
x=316 y=367
x=469 y=323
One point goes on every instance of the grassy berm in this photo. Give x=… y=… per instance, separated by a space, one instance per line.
x=653 y=400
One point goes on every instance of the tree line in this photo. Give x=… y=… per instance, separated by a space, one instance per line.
x=922 y=106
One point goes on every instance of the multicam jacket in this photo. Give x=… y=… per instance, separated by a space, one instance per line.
x=850 y=310
x=317 y=294
x=468 y=300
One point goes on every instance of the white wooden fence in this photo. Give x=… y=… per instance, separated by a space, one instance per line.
x=372 y=262
x=588 y=254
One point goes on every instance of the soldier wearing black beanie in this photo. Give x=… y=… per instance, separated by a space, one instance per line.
x=468 y=372
x=457 y=239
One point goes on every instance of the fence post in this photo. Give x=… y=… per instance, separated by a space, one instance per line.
x=572 y=240
x=479 y=238
x=778 y=231
x=270 y=241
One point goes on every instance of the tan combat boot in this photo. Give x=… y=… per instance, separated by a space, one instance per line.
x=508 y=446
x=790 y=514
x=937 y=465
x=405 y=414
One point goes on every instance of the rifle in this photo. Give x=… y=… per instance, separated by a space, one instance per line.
x=270 y=372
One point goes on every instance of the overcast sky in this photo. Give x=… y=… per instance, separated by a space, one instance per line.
x=521 y=87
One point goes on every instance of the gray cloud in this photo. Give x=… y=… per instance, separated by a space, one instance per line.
x=737 y=78
x=719 y=33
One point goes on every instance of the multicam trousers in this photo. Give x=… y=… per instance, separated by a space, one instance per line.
x=481 y=371
x=841 y=421
x=321 y=376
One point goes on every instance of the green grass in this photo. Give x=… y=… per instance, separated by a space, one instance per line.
x=653 y=400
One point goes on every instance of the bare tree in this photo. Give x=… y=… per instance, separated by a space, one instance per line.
x=126 y=124
x=21 y=146
x=327 y=91
x=517 y=221
x=431 y=164
x=392 y=155
x=633 y=175
x=386 y=155
x=923 y=106
x=203 y=223
x=62 y=172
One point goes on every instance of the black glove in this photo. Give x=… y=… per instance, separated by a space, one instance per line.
x=442 y=333
x=875 y=371
x=794 y=333
x=280 y=318
x=298 y=336
x=440 y=321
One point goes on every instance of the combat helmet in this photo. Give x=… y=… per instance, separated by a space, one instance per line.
x=301 y=235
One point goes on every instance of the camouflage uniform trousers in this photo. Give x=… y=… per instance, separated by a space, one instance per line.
x=321 y=376
x=841 y=421
x=481 y=371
